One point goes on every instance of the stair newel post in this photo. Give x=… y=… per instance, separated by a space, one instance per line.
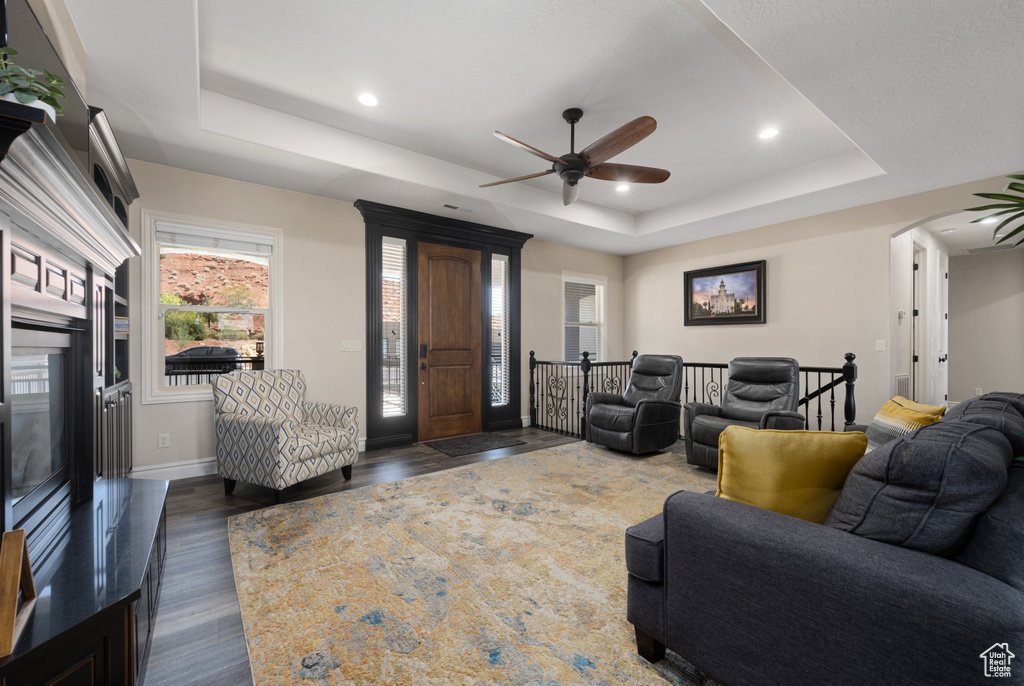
x=850 y=376
x=585 y=366
x=533 y=391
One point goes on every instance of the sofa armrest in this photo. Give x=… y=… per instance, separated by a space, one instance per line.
x=331 y=414
x=782 y=420
x=783 y=592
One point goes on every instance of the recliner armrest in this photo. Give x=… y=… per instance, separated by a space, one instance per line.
x=791 y=584
x=697 y=409
x=783 y=420
x=599 y=398
x=651 y=411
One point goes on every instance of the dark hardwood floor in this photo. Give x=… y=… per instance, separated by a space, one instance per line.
x=198 y=635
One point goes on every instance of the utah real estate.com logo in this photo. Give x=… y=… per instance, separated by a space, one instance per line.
x=997 y=660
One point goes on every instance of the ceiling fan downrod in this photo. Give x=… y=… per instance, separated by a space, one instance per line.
x=571 y=116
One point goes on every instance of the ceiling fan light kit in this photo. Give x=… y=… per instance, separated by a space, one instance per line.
x=591 y=161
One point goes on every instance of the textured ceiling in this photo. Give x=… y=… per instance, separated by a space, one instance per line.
x=872 y=100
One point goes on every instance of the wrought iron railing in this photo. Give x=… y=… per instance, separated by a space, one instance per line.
x=558 y=390
x=189 y=372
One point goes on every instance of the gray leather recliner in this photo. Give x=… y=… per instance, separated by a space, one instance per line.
x=645 y=418
x=762 y=393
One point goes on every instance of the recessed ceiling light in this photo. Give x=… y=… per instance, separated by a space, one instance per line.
x=990 y=220
x=368 y=99
x=947 y=231
x=768 y=133
x=622 y=187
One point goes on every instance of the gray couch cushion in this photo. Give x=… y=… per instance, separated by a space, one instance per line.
x=997 y=546
x=925 y=490
x=998 y=410
x=645 y=549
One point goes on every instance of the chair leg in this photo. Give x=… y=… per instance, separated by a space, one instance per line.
x=229 y=486
x=647 y=646
x=277 y=496
x=346 y=472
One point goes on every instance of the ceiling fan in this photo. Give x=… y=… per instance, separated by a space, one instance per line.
x=591 y=161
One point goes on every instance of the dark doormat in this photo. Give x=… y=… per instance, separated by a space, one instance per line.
x=474 y=443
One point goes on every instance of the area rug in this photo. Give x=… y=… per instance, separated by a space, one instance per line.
x=474 y=443
x=510 y=571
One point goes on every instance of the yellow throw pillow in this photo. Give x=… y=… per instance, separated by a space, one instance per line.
x=933 y=410
x=898 y=417
x=796 y=473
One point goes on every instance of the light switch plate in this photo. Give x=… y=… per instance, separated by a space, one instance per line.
x=880 y=345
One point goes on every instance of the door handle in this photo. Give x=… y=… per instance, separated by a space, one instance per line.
x=423 y=365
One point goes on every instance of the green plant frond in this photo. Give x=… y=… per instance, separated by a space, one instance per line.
x=25 y=98
x=990 y=207
x=1001 y=196
x=1011 y=234
x=1019 y=177
x=6 y=88
x=995 y=214
x=8 y=51
x=1005 y=222
x=1018 y=187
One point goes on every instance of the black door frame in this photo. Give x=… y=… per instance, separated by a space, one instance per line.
x=385 y=220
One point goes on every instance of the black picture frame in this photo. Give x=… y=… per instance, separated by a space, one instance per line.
x=746 y=280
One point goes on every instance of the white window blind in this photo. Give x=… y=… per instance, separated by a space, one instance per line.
x=584 y=318
x=394 y=321
x=499 y=330
x=181 y=236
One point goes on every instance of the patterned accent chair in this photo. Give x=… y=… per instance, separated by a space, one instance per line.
x=268 y=434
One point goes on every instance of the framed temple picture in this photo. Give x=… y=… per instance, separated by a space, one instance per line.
x=733 y=294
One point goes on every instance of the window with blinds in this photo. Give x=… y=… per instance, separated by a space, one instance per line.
x=499 y=330
x=584 y=317
x=394 y=320
x=214 y=304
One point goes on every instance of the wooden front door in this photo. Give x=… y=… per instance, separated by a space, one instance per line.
x=449 y=351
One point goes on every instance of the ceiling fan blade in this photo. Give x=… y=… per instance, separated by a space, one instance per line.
x=570 y=193
x=528 y=148
x=518 y=178
x=628 y=173
x=622 y=138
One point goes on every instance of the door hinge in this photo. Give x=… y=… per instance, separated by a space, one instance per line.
x=946 y=315
x=916 y=266
x=915 y=313
x=915 y=358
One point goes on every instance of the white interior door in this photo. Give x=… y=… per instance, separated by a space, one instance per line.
x=942 y=378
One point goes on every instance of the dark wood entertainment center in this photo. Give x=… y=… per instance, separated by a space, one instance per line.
x=96 y=537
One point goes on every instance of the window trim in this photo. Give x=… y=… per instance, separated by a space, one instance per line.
x=152 y=329
x=597 y=280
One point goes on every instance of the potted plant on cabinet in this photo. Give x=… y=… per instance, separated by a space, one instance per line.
x=29 y=86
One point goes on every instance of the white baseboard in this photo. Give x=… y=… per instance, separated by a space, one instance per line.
x=177 y=470
x=526 y=422
x=190 y=468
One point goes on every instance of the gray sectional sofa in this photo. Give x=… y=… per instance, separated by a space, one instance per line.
x=916 y=575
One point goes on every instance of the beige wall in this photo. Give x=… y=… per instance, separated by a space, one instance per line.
x=827 y=282
x=324 y=296
x=986 y=323
x=542 y=332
